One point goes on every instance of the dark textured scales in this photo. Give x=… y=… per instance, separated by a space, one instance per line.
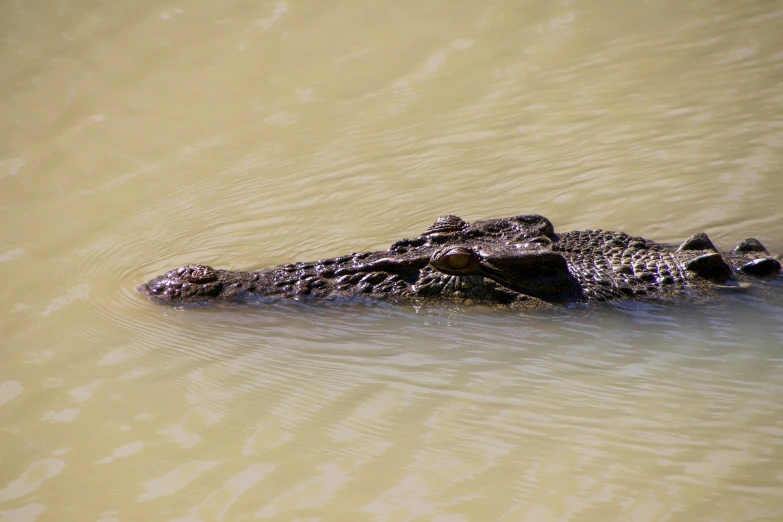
x=518 y=262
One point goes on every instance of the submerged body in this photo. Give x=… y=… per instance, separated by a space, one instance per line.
x=517 y=262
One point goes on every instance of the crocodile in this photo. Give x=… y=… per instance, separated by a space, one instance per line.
x=517 y=262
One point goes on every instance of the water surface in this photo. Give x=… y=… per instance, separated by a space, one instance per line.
x=138 y=136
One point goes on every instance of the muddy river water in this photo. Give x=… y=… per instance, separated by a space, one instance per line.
x=137 y=136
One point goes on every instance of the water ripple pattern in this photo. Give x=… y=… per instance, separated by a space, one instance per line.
x=140 y=136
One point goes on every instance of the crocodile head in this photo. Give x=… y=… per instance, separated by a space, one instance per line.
x=502 y=261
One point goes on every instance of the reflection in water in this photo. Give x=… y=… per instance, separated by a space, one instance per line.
x=36 y=474
x=141 y=136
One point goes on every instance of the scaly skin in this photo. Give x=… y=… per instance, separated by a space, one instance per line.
x=518 y=262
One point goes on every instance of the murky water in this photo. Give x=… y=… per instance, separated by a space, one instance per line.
x=137 y=136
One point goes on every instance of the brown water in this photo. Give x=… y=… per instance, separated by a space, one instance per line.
x=137 y=136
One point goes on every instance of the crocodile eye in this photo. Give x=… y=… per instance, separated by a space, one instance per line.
x=457 y=260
